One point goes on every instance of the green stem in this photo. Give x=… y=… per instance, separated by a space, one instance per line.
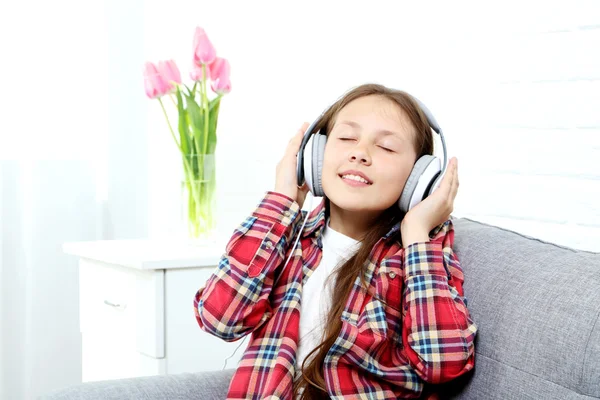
x=169 y=123
x=189 y=171
x=205 y=105
x=200 y=218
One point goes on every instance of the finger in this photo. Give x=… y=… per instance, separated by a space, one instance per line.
x=304 y=127
x=446 y=184
x=304 y=190
x=452 y=179
x=299 y=133
x=454 y=189
x=296 y=140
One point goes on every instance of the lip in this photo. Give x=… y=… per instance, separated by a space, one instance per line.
x=357 y=173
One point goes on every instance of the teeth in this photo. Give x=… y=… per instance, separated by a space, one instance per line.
x=355 y=178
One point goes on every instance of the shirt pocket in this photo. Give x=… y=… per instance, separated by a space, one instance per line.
x=370 y=320
x=388 y=282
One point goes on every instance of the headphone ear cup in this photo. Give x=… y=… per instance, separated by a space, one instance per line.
x=418 y=185
x=318 y=154
x=308 y=164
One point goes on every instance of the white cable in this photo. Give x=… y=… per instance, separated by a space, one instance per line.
x=301 y=230
x=284 y=265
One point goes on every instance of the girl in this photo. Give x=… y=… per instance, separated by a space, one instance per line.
x=392 y=315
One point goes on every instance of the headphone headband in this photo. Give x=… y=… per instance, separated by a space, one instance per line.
x=436 y=127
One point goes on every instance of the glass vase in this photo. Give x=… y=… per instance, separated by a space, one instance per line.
x=198 y=190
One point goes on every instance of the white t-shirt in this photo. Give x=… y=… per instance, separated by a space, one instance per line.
x=316 y=298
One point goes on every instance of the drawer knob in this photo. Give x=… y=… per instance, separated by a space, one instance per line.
x=109 y=303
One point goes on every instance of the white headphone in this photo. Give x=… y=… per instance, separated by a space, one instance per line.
x=425 y=177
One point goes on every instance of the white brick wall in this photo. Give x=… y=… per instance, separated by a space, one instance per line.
x=538 y=171
x=515 y=88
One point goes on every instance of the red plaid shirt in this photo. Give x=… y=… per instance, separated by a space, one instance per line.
x=424 y=334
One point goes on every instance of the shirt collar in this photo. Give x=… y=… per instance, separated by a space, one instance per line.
x=316 y=220
x=316 y=223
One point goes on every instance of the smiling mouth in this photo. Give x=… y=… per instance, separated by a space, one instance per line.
x=355 y=180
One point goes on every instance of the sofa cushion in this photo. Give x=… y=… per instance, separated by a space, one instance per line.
x=537 y=307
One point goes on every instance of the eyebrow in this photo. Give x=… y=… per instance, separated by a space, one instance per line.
x=384 y=132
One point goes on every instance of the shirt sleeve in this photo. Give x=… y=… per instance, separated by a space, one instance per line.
x=437 y=330
x=235 y=299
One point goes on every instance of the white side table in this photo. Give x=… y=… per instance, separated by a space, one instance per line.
x=136 y=309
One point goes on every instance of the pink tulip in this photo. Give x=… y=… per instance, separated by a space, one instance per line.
x=219 y=73
x=170 y=73
x=196 y=72
x=216 y=66
x=154 y=83
x=204 y=51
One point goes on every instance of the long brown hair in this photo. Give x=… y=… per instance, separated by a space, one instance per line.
x=312 y=381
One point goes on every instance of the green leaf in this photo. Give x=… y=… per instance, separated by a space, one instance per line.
x=196 y=120
x=182 y=125
x=213 y=113
x=189 y=91
x=214 y=102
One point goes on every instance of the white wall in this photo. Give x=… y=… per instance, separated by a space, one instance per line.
x=514 y=85
x=539 y=172
x=125 y=211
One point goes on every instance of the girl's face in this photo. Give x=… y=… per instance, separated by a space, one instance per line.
x=372 y=139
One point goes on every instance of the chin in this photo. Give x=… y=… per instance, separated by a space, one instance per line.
x=359 y=203
x=368 y=199
x=352 y=206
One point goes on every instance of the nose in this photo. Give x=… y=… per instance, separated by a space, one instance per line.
x=358 y=153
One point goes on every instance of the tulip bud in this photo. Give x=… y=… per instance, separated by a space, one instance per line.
x=204 y=51
x=170 y=73
x=154 y=83
x=219 y=73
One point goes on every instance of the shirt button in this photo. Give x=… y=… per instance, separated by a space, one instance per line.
x=392 y=274
x=286 y=213
x=269 y=244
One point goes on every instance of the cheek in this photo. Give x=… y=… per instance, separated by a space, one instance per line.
x=395 y=180
x=329 y=170
x=329 y=162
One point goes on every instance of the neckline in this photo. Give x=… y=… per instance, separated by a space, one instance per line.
x=342 y=244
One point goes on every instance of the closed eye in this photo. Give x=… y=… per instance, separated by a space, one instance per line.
x=386 y=149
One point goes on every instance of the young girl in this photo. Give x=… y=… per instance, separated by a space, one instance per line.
x=371 y=303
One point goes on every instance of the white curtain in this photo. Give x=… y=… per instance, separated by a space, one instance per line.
x=44 y=204
x=72 y=168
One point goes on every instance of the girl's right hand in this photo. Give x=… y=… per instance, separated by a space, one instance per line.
x=285 y=177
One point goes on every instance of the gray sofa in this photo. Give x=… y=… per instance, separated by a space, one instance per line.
x=537 y=306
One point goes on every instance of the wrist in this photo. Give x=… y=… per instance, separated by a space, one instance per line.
x=413 y=234
x=283 y=192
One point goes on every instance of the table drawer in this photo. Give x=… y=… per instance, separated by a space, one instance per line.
x=116 y=300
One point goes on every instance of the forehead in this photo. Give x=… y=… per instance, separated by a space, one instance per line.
x=378 y=110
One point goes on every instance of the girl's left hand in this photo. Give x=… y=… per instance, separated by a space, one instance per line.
x=437 y=207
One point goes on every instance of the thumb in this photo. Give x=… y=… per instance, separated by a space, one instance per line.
x=302 y=192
